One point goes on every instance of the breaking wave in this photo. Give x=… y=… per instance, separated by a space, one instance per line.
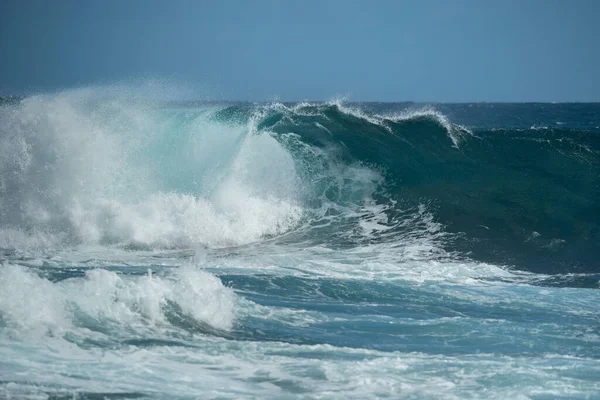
x=77 y=168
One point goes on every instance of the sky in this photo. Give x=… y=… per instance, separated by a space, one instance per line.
x=377 y=50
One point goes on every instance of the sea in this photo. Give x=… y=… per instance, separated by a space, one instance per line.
x=311 y=250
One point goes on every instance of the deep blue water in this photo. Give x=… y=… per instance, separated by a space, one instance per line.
x=310 y=250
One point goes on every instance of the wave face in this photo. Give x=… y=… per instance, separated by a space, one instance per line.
x=520 y=197
x=315 y=240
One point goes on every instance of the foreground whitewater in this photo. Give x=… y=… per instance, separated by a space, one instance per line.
x=188 y=250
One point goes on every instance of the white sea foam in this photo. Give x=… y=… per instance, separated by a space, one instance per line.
x=30 y=304
x=218 y=369
x=75 y=169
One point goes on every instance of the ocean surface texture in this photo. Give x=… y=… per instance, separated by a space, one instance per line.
x=308 y=250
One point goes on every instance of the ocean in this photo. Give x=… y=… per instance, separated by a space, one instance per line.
x=335 y=250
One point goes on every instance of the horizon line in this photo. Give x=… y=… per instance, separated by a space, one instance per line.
x=21 y=97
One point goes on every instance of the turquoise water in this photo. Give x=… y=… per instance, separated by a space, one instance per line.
x=196 y=250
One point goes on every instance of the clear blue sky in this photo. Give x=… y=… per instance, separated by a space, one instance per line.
x=427 y=50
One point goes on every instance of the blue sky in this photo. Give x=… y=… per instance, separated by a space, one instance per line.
x=428 y=50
